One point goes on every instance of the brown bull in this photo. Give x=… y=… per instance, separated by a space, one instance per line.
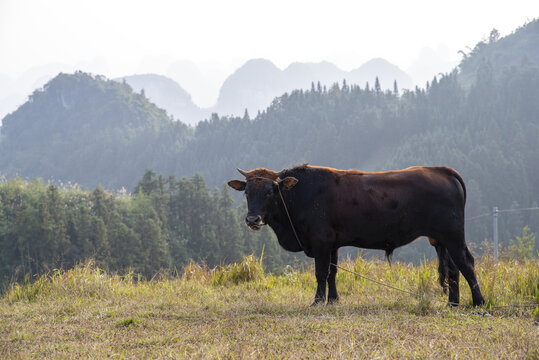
x=331 y=208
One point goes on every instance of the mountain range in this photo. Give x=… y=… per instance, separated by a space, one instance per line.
x=251 y=87
x=254 y=85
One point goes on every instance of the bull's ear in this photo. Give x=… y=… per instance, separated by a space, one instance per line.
x=237 y=185
x=288 y=183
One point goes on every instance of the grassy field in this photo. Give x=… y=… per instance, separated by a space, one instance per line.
x=238 y=312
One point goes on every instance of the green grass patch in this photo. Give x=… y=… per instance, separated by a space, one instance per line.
x=240 y=311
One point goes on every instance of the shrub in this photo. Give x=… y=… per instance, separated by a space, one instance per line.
x=522 y=247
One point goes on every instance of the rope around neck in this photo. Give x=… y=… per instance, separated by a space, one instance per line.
x=290 y=219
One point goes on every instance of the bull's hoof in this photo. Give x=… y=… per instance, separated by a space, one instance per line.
x=332 y=301
x=317 y=302
x=478 y=302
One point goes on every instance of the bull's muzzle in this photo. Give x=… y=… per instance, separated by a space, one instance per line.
x=254 y=221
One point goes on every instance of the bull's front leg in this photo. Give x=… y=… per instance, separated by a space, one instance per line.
x=333 y=296
x=321 y=267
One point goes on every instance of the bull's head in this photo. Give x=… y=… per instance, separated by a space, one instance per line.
x=262 y=195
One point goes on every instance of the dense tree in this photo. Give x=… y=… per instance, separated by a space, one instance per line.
x=377 y=86
x=162 y=227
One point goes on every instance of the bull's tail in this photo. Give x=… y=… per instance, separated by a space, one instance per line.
x=443 y=266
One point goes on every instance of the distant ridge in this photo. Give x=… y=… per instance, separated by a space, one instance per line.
x=169 y=95
x=255 y=84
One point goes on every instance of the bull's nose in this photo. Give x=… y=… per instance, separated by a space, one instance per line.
x=253 y=219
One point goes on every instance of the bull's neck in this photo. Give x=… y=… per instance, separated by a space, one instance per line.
x=280 y=223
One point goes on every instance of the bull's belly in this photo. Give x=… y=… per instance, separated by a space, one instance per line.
x=378 y=240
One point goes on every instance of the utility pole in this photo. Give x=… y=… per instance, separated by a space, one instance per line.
x=495 y=231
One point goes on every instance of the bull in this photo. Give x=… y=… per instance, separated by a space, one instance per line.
x=317 y=210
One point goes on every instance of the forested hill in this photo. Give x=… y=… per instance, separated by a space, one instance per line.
x=88 y=130
x=519 y=48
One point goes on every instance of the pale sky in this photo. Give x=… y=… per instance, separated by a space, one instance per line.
x=117 y=37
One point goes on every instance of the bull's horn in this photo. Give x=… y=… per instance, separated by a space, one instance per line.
x=244 y=173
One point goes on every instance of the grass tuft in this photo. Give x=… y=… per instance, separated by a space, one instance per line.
x=129 y=322
x=249 y=269
x=197 y=272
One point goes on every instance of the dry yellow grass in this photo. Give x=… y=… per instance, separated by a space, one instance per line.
x=222 y=314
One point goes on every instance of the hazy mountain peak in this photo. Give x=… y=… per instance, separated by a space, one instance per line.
x=302 y=75
x=430 y=63
x=255 y=84
x=167 y=94
x=386 y=72
x=311 y=66
x=140 y=81
x=252 y=86
x=376 y=62
x=257 y=64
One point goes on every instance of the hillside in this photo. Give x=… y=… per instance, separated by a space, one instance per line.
x=502 y=54
x=87 y=130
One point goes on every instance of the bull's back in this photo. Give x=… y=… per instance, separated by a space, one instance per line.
x=404 y=203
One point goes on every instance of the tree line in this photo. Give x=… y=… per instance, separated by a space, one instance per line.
x=163 y=225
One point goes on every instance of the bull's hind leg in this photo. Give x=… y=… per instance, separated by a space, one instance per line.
x=333 y=296
x=321 y=269
x=464 y=261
